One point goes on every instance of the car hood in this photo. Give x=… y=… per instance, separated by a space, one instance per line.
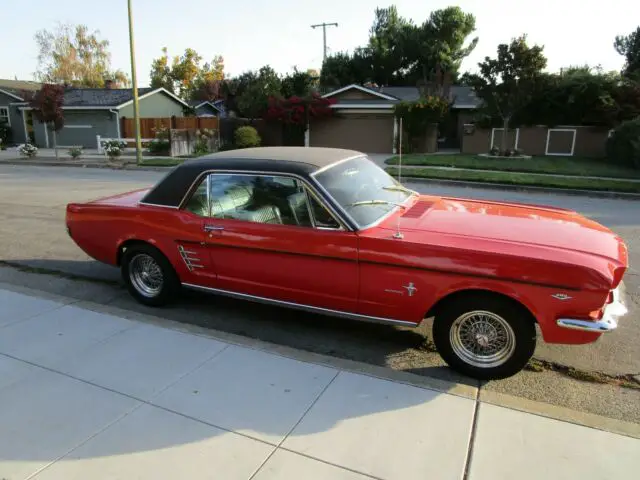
x=512 y=223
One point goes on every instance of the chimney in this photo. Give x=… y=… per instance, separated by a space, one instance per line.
x=108 y=83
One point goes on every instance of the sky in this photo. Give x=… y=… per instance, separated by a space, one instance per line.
x=252 y=33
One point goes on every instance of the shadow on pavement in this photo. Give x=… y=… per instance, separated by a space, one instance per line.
x=47 y=414
x=404 y=349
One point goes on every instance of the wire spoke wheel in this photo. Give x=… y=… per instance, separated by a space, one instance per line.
x=146 y=275
x=482 y=339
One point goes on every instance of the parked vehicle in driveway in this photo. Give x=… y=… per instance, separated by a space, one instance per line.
x=328 y=231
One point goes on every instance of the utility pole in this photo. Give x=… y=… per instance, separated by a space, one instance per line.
x=324 y=37
x=134 y=86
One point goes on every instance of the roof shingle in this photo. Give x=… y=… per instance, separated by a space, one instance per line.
x=99 y=97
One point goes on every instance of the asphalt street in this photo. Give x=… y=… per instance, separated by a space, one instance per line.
x=32 y=233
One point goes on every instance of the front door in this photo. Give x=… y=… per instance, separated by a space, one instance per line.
x=193 y=261
x=269 y=237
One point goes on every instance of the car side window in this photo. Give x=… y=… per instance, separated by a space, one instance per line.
x=258 y=198
x=322 y=217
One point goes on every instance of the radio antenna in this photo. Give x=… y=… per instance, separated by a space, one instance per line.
x=398 y=233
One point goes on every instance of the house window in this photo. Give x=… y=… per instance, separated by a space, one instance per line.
x=4 y=115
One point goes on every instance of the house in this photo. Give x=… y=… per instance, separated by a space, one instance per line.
x=363 y=119
x=206 y=108
x=11 y=99
x=89 y=112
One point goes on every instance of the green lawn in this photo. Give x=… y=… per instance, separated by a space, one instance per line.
x=523 y=179
x=557 y=165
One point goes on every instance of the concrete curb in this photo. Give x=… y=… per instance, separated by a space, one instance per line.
x=471 y=391
x=526 y=188
x=82 y=165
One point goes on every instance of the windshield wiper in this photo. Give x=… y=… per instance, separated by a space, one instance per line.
x=377 y=202
x=400 y=188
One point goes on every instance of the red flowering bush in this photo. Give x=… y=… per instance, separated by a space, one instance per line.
x=294 y=110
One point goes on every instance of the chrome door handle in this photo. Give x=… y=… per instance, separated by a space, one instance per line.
x=212 y=228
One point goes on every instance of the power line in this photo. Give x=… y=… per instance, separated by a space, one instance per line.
x=324 y=37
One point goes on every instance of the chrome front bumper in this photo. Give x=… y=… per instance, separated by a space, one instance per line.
x=609 y=321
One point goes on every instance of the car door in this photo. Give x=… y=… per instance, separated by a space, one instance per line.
x=186 y=229
x=270 y=237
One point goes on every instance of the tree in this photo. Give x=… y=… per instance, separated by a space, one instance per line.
x=629 y=47
x=440 y=43
x=388 y=43
x=186 y=76
x=399 y=52
x=297 y=84
x=72 y=55
x=161 y=72
x=46 y=105
x=296 y=112
x=207 y=91
x=344 y=69
x=256 y=88
x=506 y=83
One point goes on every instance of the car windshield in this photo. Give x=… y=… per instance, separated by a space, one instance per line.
x=364 y=190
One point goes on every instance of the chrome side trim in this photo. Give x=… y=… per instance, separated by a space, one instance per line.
x=170 y=207
x=298 y=306
x=190 y=258
x=609 y=321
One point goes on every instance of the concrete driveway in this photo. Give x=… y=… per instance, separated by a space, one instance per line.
x=90 y=395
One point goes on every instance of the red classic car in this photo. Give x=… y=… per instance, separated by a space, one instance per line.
x=328 y=231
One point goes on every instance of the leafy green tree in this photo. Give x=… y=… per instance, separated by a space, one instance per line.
x=629 y=47
x=399 y=52
x=506 y=84
x=255 y=88
x=389 y=37
x=440 y=42
x=344 y=69
x=72 y=55
x=297 y=84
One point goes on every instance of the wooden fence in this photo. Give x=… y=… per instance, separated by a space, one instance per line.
x=148 y=126
x=579 y=141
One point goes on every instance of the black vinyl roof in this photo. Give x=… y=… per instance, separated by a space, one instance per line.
x=301 y=161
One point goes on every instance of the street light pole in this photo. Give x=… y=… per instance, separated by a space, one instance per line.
x=134 y=86
x=324 y=37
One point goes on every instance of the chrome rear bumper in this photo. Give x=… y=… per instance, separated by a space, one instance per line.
x=609 y=321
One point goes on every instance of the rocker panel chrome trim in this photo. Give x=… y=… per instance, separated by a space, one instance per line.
x=298 y=306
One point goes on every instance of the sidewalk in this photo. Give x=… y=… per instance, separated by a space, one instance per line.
x=89 y=395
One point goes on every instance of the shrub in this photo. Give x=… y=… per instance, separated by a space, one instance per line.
x=75 y=152
x=113 y=148
x=623 y=146
x=28 y=150
x=160 y=145
x=203 y=141
x=246 y=137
